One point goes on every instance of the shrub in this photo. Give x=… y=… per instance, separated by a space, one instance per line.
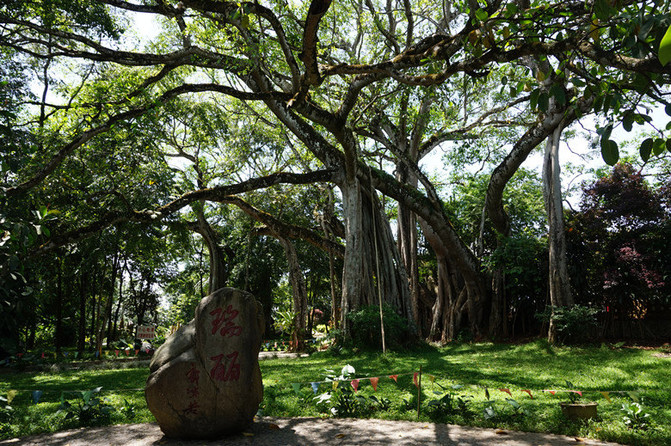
x=574 y=324
x=365 y=328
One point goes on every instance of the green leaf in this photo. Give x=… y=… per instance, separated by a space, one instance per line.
x=658 y=146
x=665 y=48
x=668 y=144
x=610 y=152
x=667 y=109
x=543 y=102
x=481 y=15
x=558 y=93
x=602 y=9
x=628 y=121
x=646 y=149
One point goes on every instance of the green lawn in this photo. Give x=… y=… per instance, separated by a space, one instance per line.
x=461 y=371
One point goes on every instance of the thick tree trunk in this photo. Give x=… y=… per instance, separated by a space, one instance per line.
x=558 y=280
x=353 y=272
x=375 y=250
x=458 y=292
x=407 y=246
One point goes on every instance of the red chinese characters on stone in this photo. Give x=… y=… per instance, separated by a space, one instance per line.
x=192 y=392
x=225 y=318
x=225 y=371
x=193 y=374
x=192 y=408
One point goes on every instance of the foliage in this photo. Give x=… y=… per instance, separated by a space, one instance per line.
x=574 y=324
x=449 y=403
x=365 y=328
x=6 y=411
x=573 y=396
x=88 y=410
x=634 y=417
x=492 y=411
x=619 y=243
x=129 y=410
x=340 y=401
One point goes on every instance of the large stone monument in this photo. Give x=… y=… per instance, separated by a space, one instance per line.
x=205 y=381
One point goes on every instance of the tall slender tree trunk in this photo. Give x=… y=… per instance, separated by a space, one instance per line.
x=59 y=308
x=81 y=332
x=300 y=298
x=329 y=214
x=218 y=271
x=109 y=305
x=558 y=280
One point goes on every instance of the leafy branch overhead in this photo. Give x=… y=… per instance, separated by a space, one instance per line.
x=309 y=117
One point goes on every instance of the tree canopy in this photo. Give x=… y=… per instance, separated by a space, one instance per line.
x=313 y=120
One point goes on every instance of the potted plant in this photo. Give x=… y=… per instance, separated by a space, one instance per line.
x=575 y=409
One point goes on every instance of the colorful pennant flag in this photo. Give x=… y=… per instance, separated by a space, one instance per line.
x=42 y=355
x=394 y=377
x=414 y=379
x=116 y=353
x=355 y=384
x=551 y=392
x=315 y=387
x=20 y=355
x=335 y=385
x=66 y=354
x=373 y=382
x=296 y=387
x=633 y=396
x=137 y=352
x=506 y=391
x=529 y=392
x=37 y=394
x=606 y=395
x=432 y=378
x=576 y=391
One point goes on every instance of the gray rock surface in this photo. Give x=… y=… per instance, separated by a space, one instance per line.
x=205 y=380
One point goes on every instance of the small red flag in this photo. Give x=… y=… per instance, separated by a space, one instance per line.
x=355 y=384
x=506 y=391
x=414 y=379
x=529 y=392
x=373 y=382
x=394 y=377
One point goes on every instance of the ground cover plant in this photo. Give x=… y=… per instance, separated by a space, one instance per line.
x=473 y=384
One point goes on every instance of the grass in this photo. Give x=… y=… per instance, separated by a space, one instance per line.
x=471 y=367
